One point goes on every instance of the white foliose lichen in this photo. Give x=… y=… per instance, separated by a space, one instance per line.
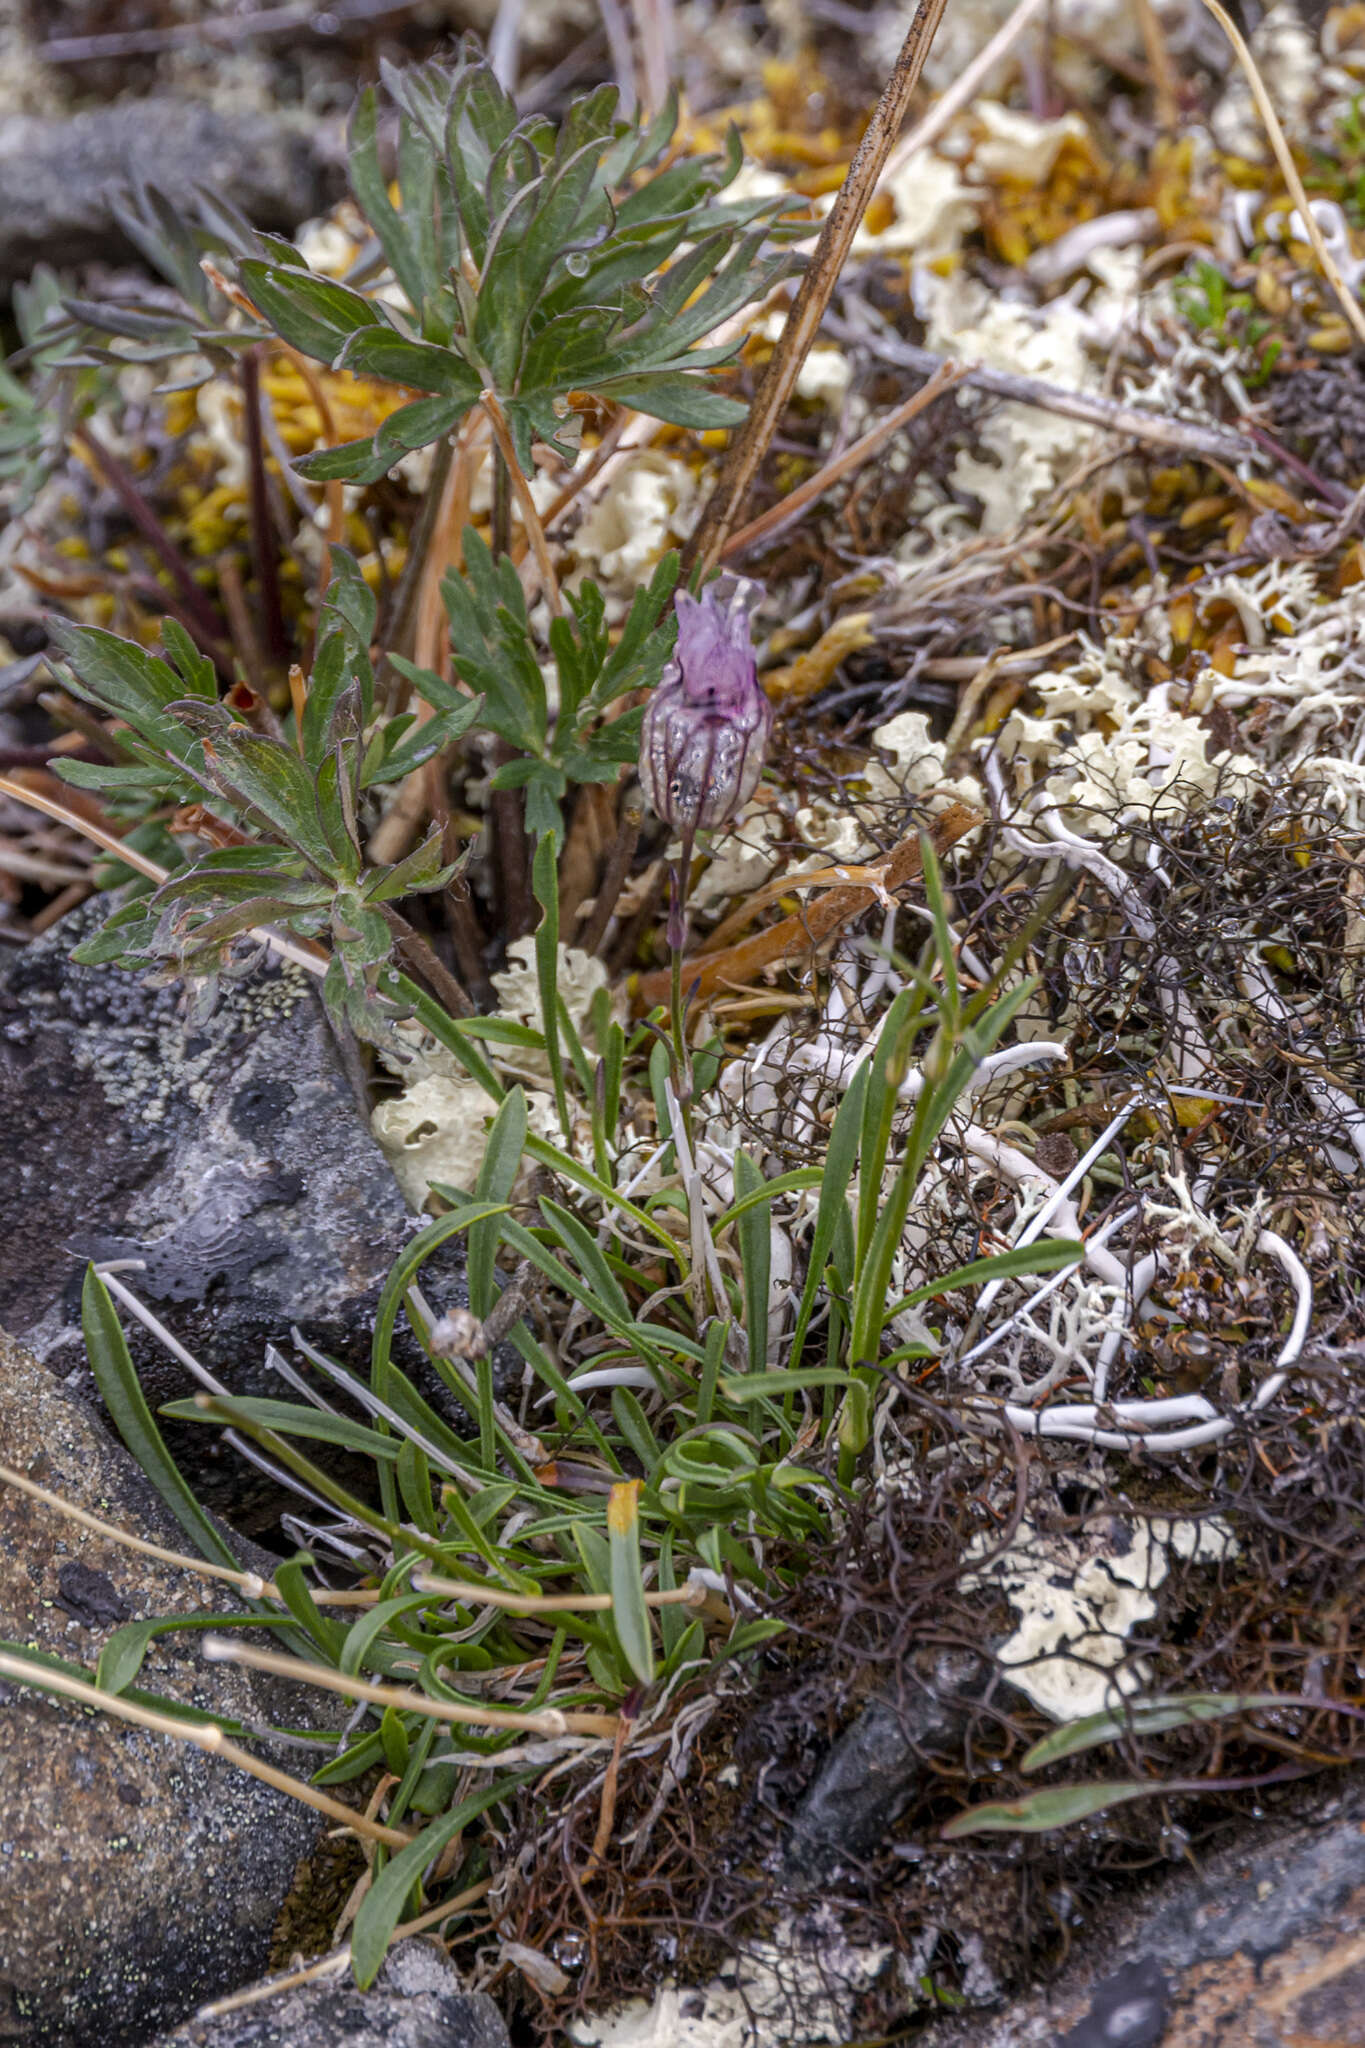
x=796 y=1990
x=1105 y=747
x=650 y=506
x=1079 y=1598
x=437 y=1130
x=917 y=767
x=578 y=978
x=1021 y=146
x=935 y=210
x=1025 y=448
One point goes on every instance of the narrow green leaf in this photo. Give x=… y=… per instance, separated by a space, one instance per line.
x=368 y=1643
x=1152 y=1717
x=414 y=1483
x=297 y=1595
x=382 y=1906
x=393 y=1739
x=1055 y=1807
x=121 y=1392
x=294 y=1418
x=841 y=1156
x=633 y=1424
x=314 y=314
x=350 y=462
x=681 y=400
x=545 y=883
x=122 y=1656
x=587 y=1255
x=630 y=1615
x=760 y=1386
x=497 y=1177
x=1046 y=1257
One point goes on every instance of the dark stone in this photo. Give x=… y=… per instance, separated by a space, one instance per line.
x=138 y=1876
x=416 y=2002
x=90 y=1597
x=226 y=1153
x=875 y=1767
x=58 y=172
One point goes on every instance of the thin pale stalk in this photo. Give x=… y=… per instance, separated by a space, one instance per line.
x=549 y=1721
x=1165 y=80
x=794 y=504
x=693 y=1594
x=526 y=504
x=746 y=452
x=300 y=952
x=334 y=1964
x=209 y=1738
x=249 y=1583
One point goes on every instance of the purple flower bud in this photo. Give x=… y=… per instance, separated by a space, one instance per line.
x=707 y=726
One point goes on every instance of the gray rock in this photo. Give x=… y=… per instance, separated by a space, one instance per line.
x=57 y=173
x=1258 y=1947
x=138 y=1876
x=416 y=2002
x=226 y=1153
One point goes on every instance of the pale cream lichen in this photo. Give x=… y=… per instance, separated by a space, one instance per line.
x=800 y=1988
x=579 y=976
x=649 y=506
x=437 y=1130
x=1079 y=1598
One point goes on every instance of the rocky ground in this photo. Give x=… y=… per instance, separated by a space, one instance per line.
x=1098 y=609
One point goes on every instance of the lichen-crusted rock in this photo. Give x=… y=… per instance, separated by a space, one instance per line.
x=57 y=172
x=417 y=2002
x=226 y=1152
x=138 y=1876
x=1260 y=1946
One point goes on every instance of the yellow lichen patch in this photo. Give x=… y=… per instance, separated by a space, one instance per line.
x=212 y=483
x=1184 y=206
x=813 y=671
x=1333 y=338
x=1022 y=214
x=358 y=405
x=784 y=126
x=1192 y=1110
x=209 y=517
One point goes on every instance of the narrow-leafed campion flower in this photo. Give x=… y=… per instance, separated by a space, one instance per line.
x=707 y=726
